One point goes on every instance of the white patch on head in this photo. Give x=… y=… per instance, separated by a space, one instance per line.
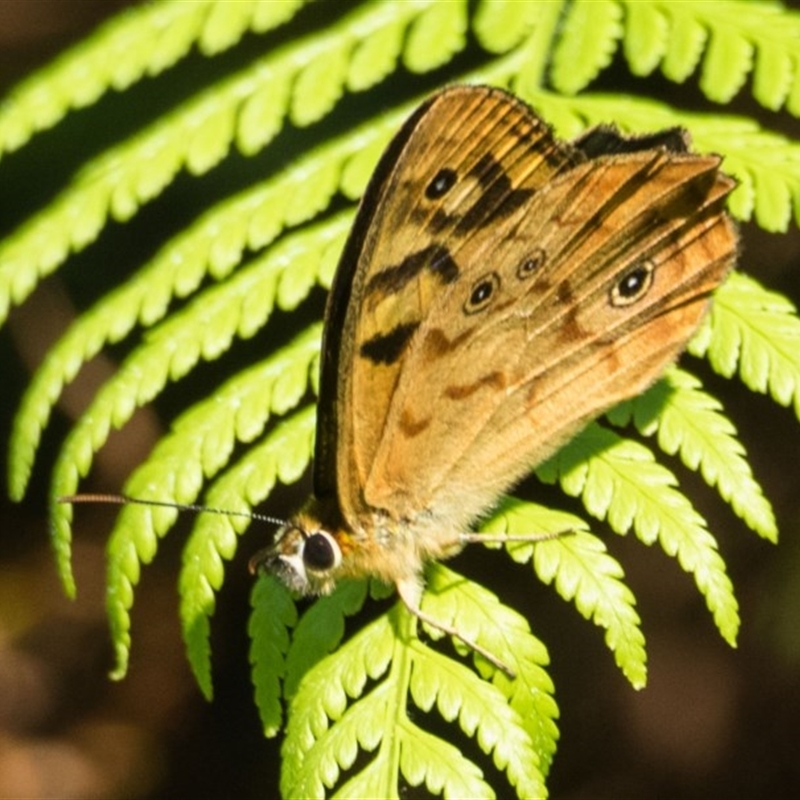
x=294 y=565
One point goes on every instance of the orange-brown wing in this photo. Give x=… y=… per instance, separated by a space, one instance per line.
x=499 y=290
x=467 y=160
x=577 y=301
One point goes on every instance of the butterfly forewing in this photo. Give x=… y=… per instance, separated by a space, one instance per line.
x=468 y=159
x=483 y=329
x=384 y=245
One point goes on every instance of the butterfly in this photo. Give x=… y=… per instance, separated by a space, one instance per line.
x=499 y=289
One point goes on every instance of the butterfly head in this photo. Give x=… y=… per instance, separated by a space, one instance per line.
x=304 y=560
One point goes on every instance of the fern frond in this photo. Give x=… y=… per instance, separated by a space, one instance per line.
x=142 y=42
x=201 y=132
x=282 y=455
x=728 y=40
x=200 y=444
x=738 y=38
x=753 y=331
x=250 y=220
x=202 y=439
x=647 y=38
x=502 y=25
x=589 y=36
x=321 y=630
x=458 y=694
x=226 y=24
x=728 y=54
x=273 y=615
x=477 y=613
x=769 y=179
x=332 y=717
x=582 y=571
x=620 y=481
x=689 y=421
x=204 y=329
x=440 y=766
x=436 y=35
x=309 y=764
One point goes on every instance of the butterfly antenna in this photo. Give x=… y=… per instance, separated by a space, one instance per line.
x=124 y=500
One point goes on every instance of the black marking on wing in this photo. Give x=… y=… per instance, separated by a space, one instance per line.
x=497 y=200
x=411 y=427
x=496 y=203
x=444 y=266
x=495 y=380
x=605 y=140
x=439 y=221
x=435 y=258
x=489 y=171
x=442 y=183
x=386 y=348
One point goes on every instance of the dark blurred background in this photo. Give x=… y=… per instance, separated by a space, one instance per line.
x=713 y=721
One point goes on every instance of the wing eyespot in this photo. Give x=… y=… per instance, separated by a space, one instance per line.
x=633 y=285
x=442 y=183
x=531 y=264
x=482 y=293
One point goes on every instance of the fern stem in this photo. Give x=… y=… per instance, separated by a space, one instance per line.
x=406 y=624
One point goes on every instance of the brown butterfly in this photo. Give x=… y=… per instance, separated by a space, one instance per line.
x=500 y=288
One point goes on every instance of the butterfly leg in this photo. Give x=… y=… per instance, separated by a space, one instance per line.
x=410 y=593
x=504 y=538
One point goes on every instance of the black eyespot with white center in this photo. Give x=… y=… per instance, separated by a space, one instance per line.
x=482 y=293
x=442 y=183
x=531 y=264
x=633 y=285
x=321 y=552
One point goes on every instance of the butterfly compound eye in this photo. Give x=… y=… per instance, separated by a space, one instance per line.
x=442 y=183
x=633 y=285
x=321 y=552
